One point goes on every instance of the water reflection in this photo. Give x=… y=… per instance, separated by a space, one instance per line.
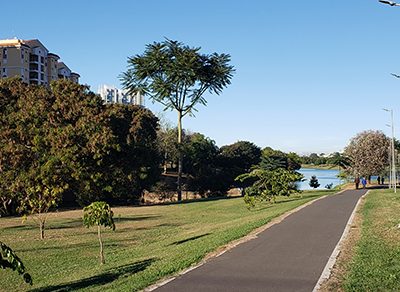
x=324 y=176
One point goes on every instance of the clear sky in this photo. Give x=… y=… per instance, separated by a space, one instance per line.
x=309 y=74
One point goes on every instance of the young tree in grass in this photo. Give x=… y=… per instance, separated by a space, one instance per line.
x=268 y=184
x=314 y=182
x=177 y=76
x=99 y=214
x=9 y=260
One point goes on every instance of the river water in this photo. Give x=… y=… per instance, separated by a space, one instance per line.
x=324 y=176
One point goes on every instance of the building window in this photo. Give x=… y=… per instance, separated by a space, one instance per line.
x=33 y=58
x=33 y=66
x=33 y=75
x=41 y=60
x=5 y=53
x=42 y=76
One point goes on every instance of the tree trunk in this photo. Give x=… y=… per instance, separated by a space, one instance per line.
x=179 y=181
x=102 y=261
x=41 y=228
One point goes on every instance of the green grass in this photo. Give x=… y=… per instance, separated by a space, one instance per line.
x=148 y=244
x=376 y=265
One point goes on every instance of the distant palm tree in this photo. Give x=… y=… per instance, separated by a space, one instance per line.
x=339 y=160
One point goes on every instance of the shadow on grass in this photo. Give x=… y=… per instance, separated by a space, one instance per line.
x=21 y=227
x=119 y=219
x=166 y=225
x=101 y=279
x=189 y=239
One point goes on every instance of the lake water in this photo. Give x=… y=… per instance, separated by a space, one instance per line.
x=324 y=176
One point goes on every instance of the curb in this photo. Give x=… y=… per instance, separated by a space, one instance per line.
x=326 y=273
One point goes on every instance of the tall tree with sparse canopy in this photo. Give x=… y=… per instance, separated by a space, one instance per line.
x=177 y=76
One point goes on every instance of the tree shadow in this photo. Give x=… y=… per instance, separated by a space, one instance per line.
x=74 y=223
x=189 y=239
x=101 y=279
x=149 y=227
x=21 y=227
x=119 y=219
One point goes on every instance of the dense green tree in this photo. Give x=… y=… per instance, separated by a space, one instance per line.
x=368 y=152
x=63 y=142
x=168 y=147
x=133 y=166
x=99 y=214
x=273 y=159
x=314 y=182
x=268 y=184
x=31 y=169
x=9 y=260
x=177 y=76
x=235 y=159
x=314 y=159
x=274 y=176
x=339 y=160
x=200 y=163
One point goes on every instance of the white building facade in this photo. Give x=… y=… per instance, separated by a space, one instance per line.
x=112 y=94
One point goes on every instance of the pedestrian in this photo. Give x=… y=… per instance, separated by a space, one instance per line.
x=383 y=180
x=364 y=182
x=357 y=182
x=379 y=180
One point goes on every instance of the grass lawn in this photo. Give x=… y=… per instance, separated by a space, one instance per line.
x=149 y=243
x=376 y=265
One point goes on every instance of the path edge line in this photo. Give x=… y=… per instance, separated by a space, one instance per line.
x=326 y=273
x=221 y=250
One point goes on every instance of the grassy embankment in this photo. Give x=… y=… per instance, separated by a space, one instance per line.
x=148 y=244
x=376 y=264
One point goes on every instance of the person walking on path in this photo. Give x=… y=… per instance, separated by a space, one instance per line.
x=379 y=180
x=383 y=180
x=357 y=182
x=364 y=182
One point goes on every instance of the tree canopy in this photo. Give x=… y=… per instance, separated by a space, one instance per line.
x=62 y=142
x=368 y=152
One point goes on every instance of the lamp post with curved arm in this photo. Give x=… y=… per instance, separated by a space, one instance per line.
x=391 y=3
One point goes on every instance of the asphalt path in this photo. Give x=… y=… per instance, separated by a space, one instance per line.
x=288 y=256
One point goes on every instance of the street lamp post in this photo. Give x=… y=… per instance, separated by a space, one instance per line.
x=393 y=176
x=393 y=164
x=391 y=3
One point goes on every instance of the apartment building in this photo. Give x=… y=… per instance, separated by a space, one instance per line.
x=32 y=62
x=112 y=94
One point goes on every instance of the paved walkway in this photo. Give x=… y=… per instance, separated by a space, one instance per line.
x=289 y=256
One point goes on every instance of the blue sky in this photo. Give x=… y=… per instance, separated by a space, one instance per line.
x=309 y=74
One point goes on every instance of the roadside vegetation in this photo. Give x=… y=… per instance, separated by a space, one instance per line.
x=148 y=243
x=376 y=265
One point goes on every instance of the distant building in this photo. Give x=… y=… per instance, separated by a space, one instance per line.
x=32 y=62
x=112 y=94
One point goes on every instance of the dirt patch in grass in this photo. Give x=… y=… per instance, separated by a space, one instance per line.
x=347 y=252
